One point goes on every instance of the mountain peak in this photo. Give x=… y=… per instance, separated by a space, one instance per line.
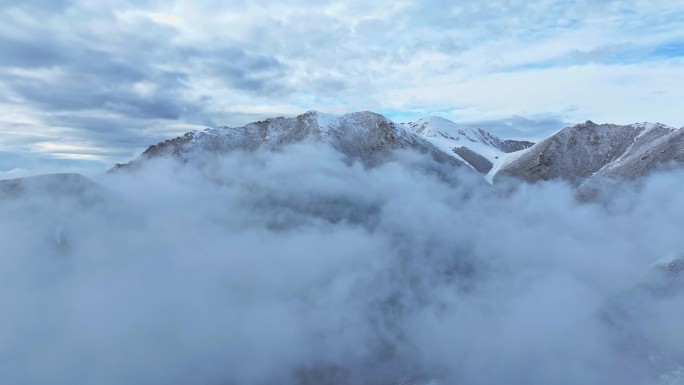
x=436 y=119
x=591 y=151
x=315 y=113
x=311 y=112
x=586 y=124
x=480 y=149
x=365 y=136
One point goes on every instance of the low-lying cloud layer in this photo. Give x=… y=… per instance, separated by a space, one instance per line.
x=298 y=268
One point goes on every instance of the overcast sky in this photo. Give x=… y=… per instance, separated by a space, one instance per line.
x=84 y=84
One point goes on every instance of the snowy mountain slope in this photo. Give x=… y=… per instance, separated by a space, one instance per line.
x=664 y=150
x=363 y=136
x=578 y=152
x=651 y=149
x=482 y=150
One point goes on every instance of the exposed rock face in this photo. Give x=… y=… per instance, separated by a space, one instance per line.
x=507 y=146
x=510 y=145
x=477 y=161
x=362 y=136
x=586 y=150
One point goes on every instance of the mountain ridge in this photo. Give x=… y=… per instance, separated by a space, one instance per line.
x=364 y=136
x=375 y=135
x=585 y=150
x=579 y=154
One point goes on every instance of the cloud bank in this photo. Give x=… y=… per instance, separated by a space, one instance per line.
x=298 y=268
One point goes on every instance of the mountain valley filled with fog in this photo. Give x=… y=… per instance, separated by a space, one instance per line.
x=358 y=253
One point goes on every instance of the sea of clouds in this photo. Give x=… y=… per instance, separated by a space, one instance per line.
x=301 y=267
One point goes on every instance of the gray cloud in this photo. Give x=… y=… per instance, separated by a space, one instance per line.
x=272 y=268
x=239 y=69
x=29 y=53
x=518 y=127
x=131 y=75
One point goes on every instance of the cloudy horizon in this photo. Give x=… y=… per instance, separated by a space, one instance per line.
x=84 y=85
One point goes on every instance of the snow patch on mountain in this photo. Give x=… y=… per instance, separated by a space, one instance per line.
x=463 y=141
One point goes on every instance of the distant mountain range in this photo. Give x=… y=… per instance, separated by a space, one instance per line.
x=581 y=155
x=587 y=155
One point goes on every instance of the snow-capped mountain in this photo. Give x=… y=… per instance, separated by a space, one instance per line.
x=364 y=136
x=655 y=146
x=586 y=150
x=480 y=149
x=581 y=154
